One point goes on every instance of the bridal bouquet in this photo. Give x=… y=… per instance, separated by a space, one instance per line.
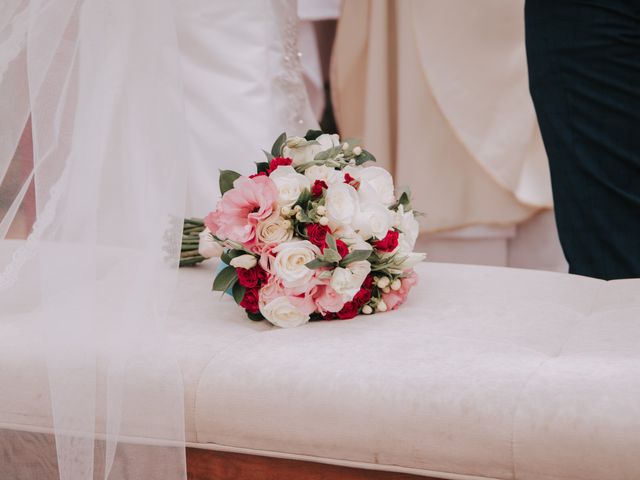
x=313 y=234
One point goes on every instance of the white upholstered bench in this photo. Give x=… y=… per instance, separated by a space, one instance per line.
x=485 y=373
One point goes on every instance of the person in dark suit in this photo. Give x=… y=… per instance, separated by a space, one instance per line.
x=584 y=78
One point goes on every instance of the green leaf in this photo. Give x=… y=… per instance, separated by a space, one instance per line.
x=268 y=155
x=355 y=256
x=276 y=150
x=329 y=153
x=238 y=292
x=256 y=317
x=312 y=134
x=227 y=177
x=317 y=263
x=225 y=279
x=331 y=242
x=404 y=199
x=262 y=167
x=229 y=255
x=365 y=156
x=331 y=255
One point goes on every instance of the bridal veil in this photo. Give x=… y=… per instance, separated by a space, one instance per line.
x=84 y=299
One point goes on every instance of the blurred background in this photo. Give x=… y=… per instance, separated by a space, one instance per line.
x=438 y=91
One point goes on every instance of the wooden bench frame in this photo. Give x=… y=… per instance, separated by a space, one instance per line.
x=214 y=465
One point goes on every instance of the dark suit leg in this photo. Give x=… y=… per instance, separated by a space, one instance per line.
x=584 y=76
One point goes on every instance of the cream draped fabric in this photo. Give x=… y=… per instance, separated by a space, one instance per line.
x=439 y=91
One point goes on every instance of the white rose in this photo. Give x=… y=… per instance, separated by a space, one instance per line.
x=347 y=281
x=244 y=261
x=405 y=261
x=373 y=220
x=376 y=184
x=327 y=141
x=341 y=204
x=301 y=151
x=322 y=172
x=207 y=246
x=274 y=229
x=352 y=239
x=282 y=313
x=289 y=264
x=409 y=229
x=290 y=184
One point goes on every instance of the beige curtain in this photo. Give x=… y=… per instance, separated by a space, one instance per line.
x=438 y=90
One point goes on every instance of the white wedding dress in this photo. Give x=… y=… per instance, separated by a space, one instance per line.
x=243 y=86
x=134 y=106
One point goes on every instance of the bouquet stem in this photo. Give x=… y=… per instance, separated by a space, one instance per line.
x=189 y=254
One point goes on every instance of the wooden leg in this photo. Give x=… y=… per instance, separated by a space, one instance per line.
x=212 y=465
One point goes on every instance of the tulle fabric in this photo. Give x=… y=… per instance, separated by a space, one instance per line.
x=91 y=125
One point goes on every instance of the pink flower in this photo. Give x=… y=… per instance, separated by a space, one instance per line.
x=270 y=290
x=273 y=289
x=328 y=300
x=395 y=298
x=250 y=201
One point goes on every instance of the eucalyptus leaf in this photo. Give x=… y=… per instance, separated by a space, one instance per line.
x=329 y=153
x=227 y=177
x=365 y=156
x=331 y=242
x=317 y=263
x=268 y=155
x=225 y=279
x=355 y=256
x=278 y=145
x=331 y=255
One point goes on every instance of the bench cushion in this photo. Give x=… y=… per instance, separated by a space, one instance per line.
x=484 y=373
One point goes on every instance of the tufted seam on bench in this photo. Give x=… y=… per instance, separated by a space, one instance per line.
x=232 y=344
x=594 y=301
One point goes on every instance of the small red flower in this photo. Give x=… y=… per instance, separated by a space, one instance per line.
x=351 y=181
x=343 y=250
x=250 y=300
x=328 y=316
x=317 y=187
x=349 y=310
x=318 y=235
x=362 y=297
x=277 y=162
x=251 y=277
x=389 y=242
x=368 y=282
x=259 y=174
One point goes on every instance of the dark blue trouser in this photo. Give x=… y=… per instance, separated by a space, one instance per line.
x=584 y=77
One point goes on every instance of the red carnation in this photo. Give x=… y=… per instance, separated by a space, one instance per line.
x=251 y=277
x=389 y=242
x=318 y=235
x=368 y=282
x=317 y=187
x=250 y=300
x=362 y=297
x=349 y=310
x=351 y=181
x=343 y=250
x=277 y=162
